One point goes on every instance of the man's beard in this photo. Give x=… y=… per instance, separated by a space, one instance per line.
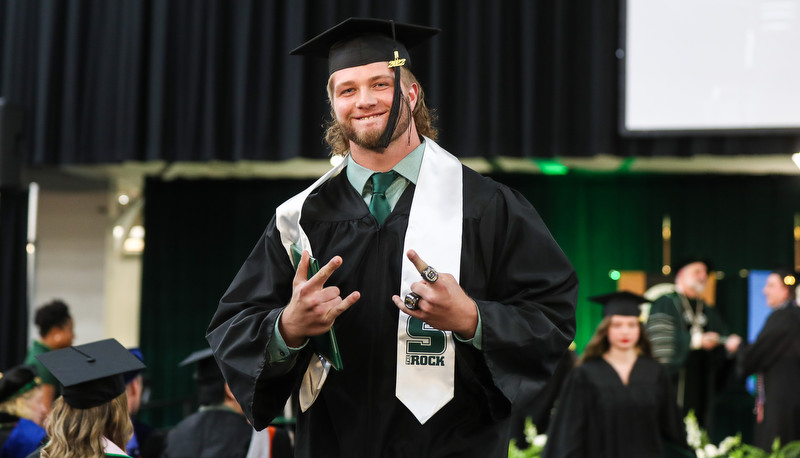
x=371 y=139
x=696 y=286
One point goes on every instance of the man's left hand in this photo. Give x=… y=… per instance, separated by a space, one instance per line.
x=443 y=303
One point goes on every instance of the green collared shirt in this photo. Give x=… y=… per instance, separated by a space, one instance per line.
x=407 y=168
x=359 y=177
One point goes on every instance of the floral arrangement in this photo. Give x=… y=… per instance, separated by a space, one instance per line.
x=535 y=442
x=732 y=446
x=697 y=438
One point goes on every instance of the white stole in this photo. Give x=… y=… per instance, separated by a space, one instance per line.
x=425 y=383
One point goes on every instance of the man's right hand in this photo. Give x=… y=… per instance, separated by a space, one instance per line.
x=313 y=307
x=710 y=340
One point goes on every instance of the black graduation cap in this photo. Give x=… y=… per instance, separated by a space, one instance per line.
x=91 y=374
x=206 y=364
x=620 y=303
x=16 y=381
x=360 y=41
x=129 y=376
x=685 y=261
x=211 y=383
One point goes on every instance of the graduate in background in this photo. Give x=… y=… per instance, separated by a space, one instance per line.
x=23 y=412
x=134 y=389
x=90 y=419
x=775 y=355
x=618 y=401
x=56 y=331
x=218 y=429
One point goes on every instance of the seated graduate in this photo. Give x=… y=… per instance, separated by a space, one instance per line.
x=90 y=419
x=134 y=389
x=618 y=401
x=21 y=430
x=218 y=429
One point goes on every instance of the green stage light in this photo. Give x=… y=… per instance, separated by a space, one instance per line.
x=614 y=275
x=551 y=167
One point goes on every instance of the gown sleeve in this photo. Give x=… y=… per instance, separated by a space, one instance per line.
x=528 y=307
x=243 y=326
x=775 y=339
x=665 y=329
x=568 y=429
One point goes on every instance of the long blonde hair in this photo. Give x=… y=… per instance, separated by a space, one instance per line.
x=423 y=117
x=79 y=432
x=25 y=405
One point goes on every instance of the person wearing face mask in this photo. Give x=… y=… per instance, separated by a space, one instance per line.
x=618 y=401
x=690 y=338
x=775 y=356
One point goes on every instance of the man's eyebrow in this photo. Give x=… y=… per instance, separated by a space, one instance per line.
x=351 y=82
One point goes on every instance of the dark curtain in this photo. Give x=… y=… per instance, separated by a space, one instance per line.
x=13 y=276
x=199 y=233
x=200 y=80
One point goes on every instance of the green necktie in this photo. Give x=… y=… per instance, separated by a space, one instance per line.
x=379 y=206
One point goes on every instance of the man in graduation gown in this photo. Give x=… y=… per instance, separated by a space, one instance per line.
x=430 y=366
x=690 y=338
x=775 y=355
x=218 y=428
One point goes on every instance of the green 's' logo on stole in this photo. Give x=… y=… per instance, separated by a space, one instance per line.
x=424 y=344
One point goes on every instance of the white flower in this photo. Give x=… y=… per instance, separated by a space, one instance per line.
x=540 y=440
x=711 y=450
x=700 y=453
x=693 y=433
x=530 y=432
x=727 y=444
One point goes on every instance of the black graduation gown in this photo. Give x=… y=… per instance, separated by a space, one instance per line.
x=776 y=354
x=214 y=433
x=598 y=416
x=523 y=284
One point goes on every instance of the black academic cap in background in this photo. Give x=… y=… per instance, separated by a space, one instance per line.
x=207 y=368
x=17 y=381
x=129 y=376
x=620 y=303
x=210 y=382
x=686 y=260
x=92 y=373
x=361 y=41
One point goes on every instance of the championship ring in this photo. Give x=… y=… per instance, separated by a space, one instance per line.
x=429 y=274
x=411 y=301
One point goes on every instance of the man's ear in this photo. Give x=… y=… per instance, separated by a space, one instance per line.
x=413 y=93
x=229 y=393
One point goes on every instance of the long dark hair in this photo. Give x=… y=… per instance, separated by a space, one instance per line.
x=599 y=343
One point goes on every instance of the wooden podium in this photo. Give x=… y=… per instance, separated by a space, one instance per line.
x=653 y=285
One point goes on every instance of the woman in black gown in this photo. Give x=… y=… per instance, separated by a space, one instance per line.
x=618 y=401
x=775 y=355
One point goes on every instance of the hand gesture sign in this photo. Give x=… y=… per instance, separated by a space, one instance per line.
x=313 y=307
x=440 y=301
